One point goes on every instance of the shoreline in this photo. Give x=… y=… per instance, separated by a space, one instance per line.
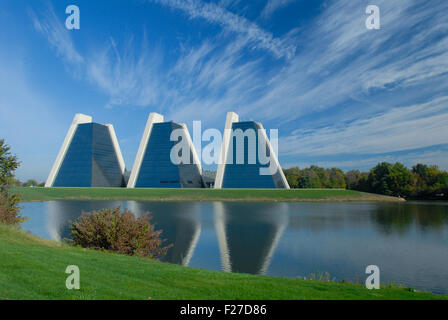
x=38 y=194
x=212 y=200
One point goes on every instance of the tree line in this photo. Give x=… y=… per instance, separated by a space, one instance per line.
x=28 y=183
x=421 y=181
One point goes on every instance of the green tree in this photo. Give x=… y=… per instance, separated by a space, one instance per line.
x=337 y=178
x=401 y=180
x=390 y=179
x=363 y=183
x=31 y=183
x=352 y=179
x=9 y=210
x=422 y=181
x=429 y=181
x=292 y=176
x=378 y=178
x=323 y=179
x=421 y=170
x=309 y=178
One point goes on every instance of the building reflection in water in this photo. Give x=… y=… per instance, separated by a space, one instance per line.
x=247 y=233
x=181 y=225
x=60 y=213
x=180 y=222
x=248 y=238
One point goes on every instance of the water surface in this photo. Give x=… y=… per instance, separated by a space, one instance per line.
x=407 y=241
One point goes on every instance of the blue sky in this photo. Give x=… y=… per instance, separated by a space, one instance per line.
x=340 y=95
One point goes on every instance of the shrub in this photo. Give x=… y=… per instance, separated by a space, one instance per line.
x=111 y=230
x=9 y=210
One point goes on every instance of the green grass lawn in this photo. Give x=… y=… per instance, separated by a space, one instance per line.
x=34 y=268
x=44 y=194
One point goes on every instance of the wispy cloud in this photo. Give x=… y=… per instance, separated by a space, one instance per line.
x=128 y=76
x=49 y=25
x=254 y=35
x=398 y=129
x=342 y=60
x=272 y=6
x=359 y=81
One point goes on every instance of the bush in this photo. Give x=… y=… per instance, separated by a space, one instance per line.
x=111 y=230
x=9 y=210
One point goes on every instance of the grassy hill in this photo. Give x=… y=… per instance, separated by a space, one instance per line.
x=44 y=194
x=34 y=268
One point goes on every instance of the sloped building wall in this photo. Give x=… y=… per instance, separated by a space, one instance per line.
x=91 y=160
x=247 y=174
x=157 y=170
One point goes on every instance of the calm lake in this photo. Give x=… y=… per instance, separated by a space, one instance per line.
x=407 y=241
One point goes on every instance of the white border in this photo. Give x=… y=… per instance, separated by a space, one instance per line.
x=230 y=119
x=117 y=149
x=274 y=156
x=78 y=119
x=153 y=118
x=196 y=160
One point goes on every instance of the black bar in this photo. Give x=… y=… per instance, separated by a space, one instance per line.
x=231 y=309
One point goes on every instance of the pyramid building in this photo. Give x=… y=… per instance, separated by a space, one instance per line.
x=89 y=157
x=153 y=167
x=236 y=170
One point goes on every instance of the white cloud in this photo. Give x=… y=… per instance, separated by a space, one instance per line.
x=339 y=60
x=56 y=34
x=398 y=129
x=126 y=76
x=253 y=34
x=272 y=6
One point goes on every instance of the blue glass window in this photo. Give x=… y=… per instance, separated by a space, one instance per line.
x=246 y=175
x=157 y=170
x=90 y=160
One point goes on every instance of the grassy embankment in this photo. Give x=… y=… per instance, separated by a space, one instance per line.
x=45 y=194
x=34 y=268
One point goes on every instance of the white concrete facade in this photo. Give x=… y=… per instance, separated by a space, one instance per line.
x=230 y=119
x=78 y=119
x=192 y=148
x=274 y=157
x=153 y=118
x=117 y=149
